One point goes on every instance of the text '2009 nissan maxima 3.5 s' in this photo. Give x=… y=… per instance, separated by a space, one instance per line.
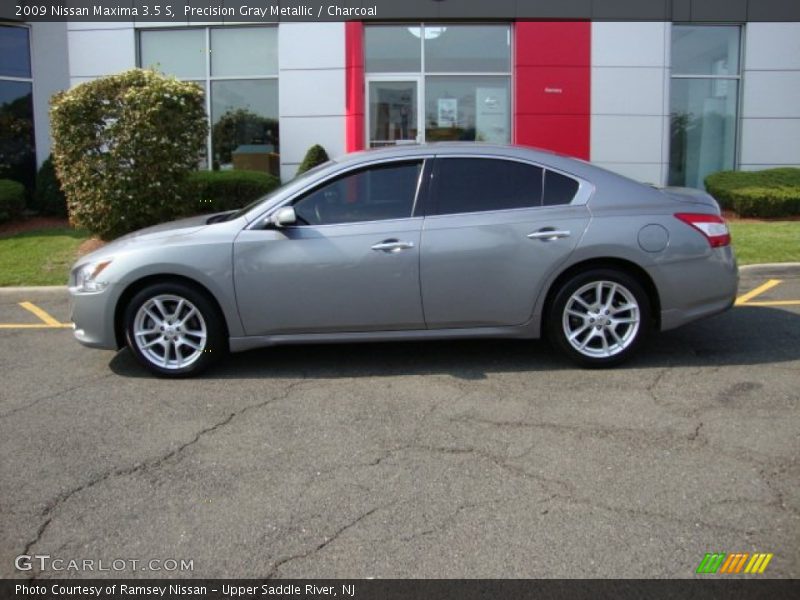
x=410 y=243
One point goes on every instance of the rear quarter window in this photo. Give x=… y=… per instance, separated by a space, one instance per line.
x=558 y=189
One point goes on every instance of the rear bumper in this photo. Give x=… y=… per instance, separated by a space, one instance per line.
x=698 y=288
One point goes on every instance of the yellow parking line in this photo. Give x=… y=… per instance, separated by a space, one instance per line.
x=775 y=303
x=744 y=298
x=42 y=314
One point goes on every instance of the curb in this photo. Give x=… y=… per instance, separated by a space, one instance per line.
x=34 y=288
x=786 y=265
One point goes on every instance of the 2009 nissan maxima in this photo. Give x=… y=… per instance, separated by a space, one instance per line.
x=415 y=242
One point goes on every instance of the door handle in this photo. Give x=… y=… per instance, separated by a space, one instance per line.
x=392 y=246
x=548 y=235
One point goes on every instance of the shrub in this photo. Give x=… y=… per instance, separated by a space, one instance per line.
x=315 y=156
x=766 y=202
x=217 y=191
x=12 y=199
x=721 y=184
x=123 y=146
x=49 y=199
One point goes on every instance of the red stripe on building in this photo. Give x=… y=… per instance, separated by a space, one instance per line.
x=552 y=86
x=354 y=80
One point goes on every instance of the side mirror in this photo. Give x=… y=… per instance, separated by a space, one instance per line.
x=283 y=217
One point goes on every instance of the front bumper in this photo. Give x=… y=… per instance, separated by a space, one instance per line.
x=92 y=316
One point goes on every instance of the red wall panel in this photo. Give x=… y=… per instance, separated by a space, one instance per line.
x=552 y=85
x=354 y=91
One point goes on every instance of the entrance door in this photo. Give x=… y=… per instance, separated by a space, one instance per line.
x=393 y=112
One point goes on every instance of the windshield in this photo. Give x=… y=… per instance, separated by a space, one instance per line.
x=310 y=173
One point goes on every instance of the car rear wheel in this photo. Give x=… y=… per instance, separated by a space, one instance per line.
x=174 y=330
x=599 y=318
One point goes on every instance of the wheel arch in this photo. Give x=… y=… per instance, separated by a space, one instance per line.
x=621 y=264
x=136 y=286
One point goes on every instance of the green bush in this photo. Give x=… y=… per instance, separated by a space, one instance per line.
x=49 y=199
x=722 y=184
x=123 y=146
x=12 y=199
x=766 y=202
x=315 y=156
x=217 y=191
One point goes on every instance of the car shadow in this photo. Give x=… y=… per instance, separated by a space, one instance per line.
x=740 y=337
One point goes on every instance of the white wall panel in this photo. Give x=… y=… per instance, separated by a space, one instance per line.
x=628 y=44
x=626 y=139
x=97 y=52
x=770 y=141
x=644 y=172
x=627 y=91
x=771 y=94
x=311 y=45
x=312 y=93
x=298 y=134
x=50 y=68
x=772 y=46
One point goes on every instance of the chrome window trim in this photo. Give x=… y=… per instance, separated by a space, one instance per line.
x=258 y=222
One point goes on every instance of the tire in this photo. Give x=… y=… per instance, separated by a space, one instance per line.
x=600 y=333
x=174 y=330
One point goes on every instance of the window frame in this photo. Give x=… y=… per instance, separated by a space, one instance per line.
x=739 y=78
x=581 y=197
x=209 y=78
x=422 y=74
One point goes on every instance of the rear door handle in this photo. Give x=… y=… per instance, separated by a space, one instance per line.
x=548 y=235
x=392 y=246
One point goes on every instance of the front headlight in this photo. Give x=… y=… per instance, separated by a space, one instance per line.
x=86 y=278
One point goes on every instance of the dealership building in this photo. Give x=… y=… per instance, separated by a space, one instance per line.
x=688 y=88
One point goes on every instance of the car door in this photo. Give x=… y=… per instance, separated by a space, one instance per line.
x=351 y=263
x=494 y=228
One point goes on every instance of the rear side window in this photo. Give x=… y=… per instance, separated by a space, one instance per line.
x=558 y=189
x=463 y=185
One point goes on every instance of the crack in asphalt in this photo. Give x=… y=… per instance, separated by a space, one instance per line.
x=58 y=501
x=33 y=403
x=325 y=542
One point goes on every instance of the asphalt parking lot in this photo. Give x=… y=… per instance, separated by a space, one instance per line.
x=445 y=460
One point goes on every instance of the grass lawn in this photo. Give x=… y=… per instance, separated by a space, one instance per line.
x=766 y=242
x=39 y=257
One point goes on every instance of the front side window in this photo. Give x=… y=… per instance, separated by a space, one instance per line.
x=375 y=193
x=241 y=83
x=464 y=185
x=704 y=95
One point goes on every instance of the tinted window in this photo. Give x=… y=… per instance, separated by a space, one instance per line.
x=372 y=194
x=479 y=184
x=15 y=58
x=558 y=189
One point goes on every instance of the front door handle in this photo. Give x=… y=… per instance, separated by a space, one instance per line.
x=548 y=234
x=392 y=246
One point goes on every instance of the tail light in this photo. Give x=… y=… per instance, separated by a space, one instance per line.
x=713 y=227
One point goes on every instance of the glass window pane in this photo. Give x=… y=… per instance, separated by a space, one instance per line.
x=244 y=51
x=558 y=189
x=373 y=194
x=244 y=116
x=702 y=129
x=479 y=184
x=17 y=146
x=15 y=57
x=392 y=112
x=392 y=49
x=467 y=48
x=178 y=52
x=467 y=109
x=705 y=50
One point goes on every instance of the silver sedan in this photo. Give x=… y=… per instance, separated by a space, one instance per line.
x=410 y=243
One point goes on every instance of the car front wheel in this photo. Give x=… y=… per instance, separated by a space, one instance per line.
x=174 y=330
x=599 y=318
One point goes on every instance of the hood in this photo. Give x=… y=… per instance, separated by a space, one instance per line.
x=690 y=195
x=181 y=227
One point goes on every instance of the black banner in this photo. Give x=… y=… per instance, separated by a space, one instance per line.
x=417 y=589
x=183 y=12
